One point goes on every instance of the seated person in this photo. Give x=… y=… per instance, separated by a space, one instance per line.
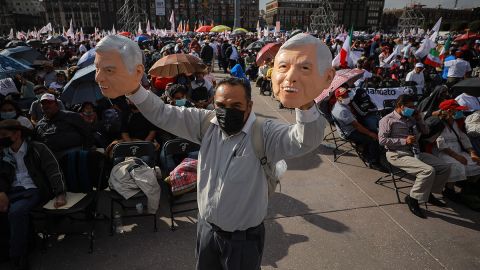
x=135 y=127
x=473 y=103
x=36 y=112
x=200 y=81
x=87 y=112
x=455 y=149
x=60 y=130
x=351 y=129
x=399 y=133
x=472 y=126
x=29 y=177
x=10 y=110
x=366 y=110
x=176 y=95
x=429 y=105
x=201 y=98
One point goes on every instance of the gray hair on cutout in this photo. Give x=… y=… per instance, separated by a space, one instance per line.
x=324 y=56
x=128 y=49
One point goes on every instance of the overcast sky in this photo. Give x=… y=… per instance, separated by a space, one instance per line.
x=430 y=3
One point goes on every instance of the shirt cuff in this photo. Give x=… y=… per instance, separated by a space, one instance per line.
x=307 y=116
x=139 y=97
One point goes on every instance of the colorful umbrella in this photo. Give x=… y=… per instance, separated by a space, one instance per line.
x=175 y=64
x=467 y=36
x=220 y=28
x=341 y=76
x=268 y=51
x=257 y=45
x=125 y=34
x=141 y=38
x=204 y=29
x=240 y=31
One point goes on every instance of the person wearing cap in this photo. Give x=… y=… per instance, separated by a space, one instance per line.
x=454 y=147
x=60 y=130
x=458 y=69
x=36 y=112
x=399 y=133
x=416 y=75
x=353 y=130
x=29 y=176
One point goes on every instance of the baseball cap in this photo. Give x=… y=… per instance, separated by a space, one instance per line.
x=419 y=65
x=341 y=92
x=451 y=104
x=48 y=96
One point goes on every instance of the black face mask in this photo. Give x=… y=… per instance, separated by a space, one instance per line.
x=5 y=142
x=230 y=120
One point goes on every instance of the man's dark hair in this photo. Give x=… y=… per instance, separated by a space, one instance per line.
x=404 y=100
x=234 y=81
x=176 y=88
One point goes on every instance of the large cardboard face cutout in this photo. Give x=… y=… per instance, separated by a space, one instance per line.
x=298 y=77
x=113 y=76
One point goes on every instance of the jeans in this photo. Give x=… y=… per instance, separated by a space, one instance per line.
x=371 y=149
x=22 y=201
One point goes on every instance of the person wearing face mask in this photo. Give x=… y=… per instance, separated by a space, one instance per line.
x=353 y=130
x=177 y=96
x=30 y=176
x=398 y=133
x=454 y=147
x=10 y=110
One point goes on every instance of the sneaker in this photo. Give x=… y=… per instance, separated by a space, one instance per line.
x=414 y=207
x=434 y=201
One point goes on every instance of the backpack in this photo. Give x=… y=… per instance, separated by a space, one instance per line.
x=273 y=172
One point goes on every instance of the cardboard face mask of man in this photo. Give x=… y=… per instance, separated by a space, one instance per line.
x=302 y=70
x=119 y=67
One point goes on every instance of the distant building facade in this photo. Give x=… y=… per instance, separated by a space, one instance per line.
x=359 y=14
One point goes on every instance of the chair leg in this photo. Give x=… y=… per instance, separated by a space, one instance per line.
x=155 y=223
x=394 y=180
x=91 y=236
x=111 y=217
x=172 y=219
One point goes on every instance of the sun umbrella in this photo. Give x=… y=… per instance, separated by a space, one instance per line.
x=341 y=76
x=204 y=29
x=268 y=51
x=257 y=45
x=24 y=54
x=141 y=38
x=15 y=43
x=34 y=43
x=175 y=64
x=220 y=28
x=467 y=36
x=167 y=47
x=9 y=65
x=82 y=87
x=240 y=31
x=469 y=86
x=56 y=40
x=125 y=34
x=87 y=59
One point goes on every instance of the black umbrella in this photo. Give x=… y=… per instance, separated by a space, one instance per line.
x=257 y=45
x=15 y=43
x=24 y=54
x=9 y=66
x=82 y=87
x=34 y=43
x=469 y=86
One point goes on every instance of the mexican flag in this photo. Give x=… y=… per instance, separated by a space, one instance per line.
x=445 y=48
x=341 y=60
x=433 y=59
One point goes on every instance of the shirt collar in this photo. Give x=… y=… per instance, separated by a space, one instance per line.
x=248 y=125
x=22 y=150
x=396 y=115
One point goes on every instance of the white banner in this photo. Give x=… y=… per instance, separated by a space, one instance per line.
x=379 y=95
x=160 y=7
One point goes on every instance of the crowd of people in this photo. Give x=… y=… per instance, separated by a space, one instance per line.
x=432 y=134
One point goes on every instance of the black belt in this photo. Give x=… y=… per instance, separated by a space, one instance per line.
x=248 y=234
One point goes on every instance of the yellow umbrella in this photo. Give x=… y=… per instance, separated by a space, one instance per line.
x=220 y=28
x=241 y=29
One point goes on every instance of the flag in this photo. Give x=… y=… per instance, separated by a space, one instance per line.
x=187 y=26
x=445 y=48
x=172 y=22
x=180 y=27
x=425 y=47
x=433 y=58
x=395 y=52
x=139 y=31
x=10 y=36
x=114 y=32
x=64 y=33
x=70 y=32
x=212 y=24
x=148 y=29
x=259 y=30
x=265 y=32
x=436 y=29
x=342 y=59
x=82 y=36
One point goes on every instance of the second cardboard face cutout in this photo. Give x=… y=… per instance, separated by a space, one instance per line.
x=298 y=77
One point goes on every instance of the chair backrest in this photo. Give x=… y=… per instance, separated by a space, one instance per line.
x=339 y=128
x=83 y=171
x=174 y=151
x=140 y=149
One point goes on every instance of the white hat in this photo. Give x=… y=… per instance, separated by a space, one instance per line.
x=419 y=65
x=47 y=96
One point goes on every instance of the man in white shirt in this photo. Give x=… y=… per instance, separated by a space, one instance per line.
x=458 y=69
x=416 y=75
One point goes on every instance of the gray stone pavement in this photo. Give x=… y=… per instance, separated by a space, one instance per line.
x=328 y=216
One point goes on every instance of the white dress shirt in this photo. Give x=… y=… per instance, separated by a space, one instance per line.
x=22 y=178
x=413 y=76
x=457 y=68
